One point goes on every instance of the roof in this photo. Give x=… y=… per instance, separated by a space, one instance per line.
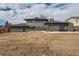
x=55 y=22
x=36 y=19
x=20 y=25
x=76 y=17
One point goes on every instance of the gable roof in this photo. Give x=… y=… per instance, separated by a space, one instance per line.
x=36 y=19
x=76 y=17
x=54 y=21
x=21 y=24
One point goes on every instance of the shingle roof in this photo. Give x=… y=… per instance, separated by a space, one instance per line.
x=55 y=22
x=36 y=19
x=21 y=24
x=73 y=17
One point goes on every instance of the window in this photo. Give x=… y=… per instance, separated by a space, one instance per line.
x=76 y=20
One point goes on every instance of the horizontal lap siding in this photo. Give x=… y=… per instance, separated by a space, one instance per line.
x=16 y=29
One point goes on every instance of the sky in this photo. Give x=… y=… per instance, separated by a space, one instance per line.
x=2 y=22
x=16 y=12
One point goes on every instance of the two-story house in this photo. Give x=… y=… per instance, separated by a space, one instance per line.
x=75 y=21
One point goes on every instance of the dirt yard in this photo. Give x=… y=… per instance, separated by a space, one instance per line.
x=39 y=43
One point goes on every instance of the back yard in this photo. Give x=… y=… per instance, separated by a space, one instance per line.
x=39 y=43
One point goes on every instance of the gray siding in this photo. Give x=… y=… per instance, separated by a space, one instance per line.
x=70 y=27
x=39 y=26
x=60 y=27
x=36 y=24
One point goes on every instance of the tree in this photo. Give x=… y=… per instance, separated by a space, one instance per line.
x=51 y=19
x=7 y=24
x=43 y=17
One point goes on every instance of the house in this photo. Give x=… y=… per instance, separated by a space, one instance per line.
x=75 y=21
x=38 y=24
x=49 y=24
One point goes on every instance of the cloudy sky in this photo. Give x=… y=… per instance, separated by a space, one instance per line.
x=16 y=12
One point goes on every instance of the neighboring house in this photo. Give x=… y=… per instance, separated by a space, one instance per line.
x=75 y=21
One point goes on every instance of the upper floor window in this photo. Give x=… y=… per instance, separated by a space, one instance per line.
x=76 y=20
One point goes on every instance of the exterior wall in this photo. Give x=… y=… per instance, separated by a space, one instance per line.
x=51 y=28
x=41 y=24
x=30 y=29
x=60 y=27
x=16 y=30
x=70 y=27
x=37 y=25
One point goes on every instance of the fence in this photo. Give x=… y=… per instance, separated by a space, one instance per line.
x=4 y=30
